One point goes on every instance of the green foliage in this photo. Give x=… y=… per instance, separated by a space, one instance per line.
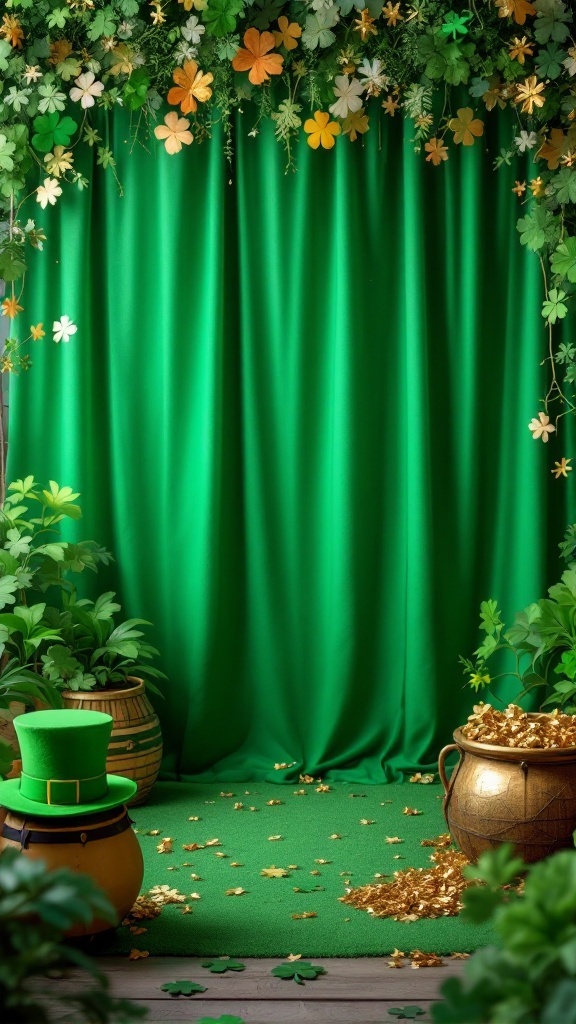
x=50 y=640
x=298 y=971
x=532 y=975
x=36 y=907
x=221 y=966
x=182 y=988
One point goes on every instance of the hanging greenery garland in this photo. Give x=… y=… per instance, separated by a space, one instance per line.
x=321 y=69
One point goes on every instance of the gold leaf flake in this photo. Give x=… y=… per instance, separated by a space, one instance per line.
x=153 y=832
x=274 y=839
x=209 y=801
x=308 y=779
x=253 y=808
x=397 y=953
x=411 y=811
x=384 y=802
x=416 y=893
x=380 y=875
x=292 y=867
x=194 y=818
x=395 y=963
x=273 y=872
x=236 y=864
x=300 y=792
x=320 y=861
x=293 y=956
x=138 y=954
x=238 y=807
x=393 y=839
x=424 y=780
x=236 y=892
x=213 y=842
x=190 y=847
x=306 y=914
x=186 y=909
x=173 y=867
x=397 y=857
x=187 y=864
x=283 y=766
x=165 y=846
x=314 y=872
x=445 y=839
x=273 y=803
x=137 y=931
x=345 y=873
x=367 y=821
x=459 y=956
x=220 y=854
x=335 y=836
x=196 y=878
x=227 y=794
x=194 y=896
x=420 y=959
x=322 y=789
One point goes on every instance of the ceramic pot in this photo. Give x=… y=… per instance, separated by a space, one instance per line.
x=510 y=795
x=135 y=749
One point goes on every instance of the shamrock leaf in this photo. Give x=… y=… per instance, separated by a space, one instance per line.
x=563 y=260
x=554 y=308
x=52 y=131
x=298 y=971
x=221 y=966
x=136 y=89
x=565 y=353
x=220 y=16
x=182 y=988
x=535 y=228
x=565 y=186
x=406 y=1012
x=549 y=61
x=455 y=24
x=550 y=25
x=102 y=24
x=225 y=1019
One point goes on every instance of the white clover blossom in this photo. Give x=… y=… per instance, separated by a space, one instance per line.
x=48 y=193
x=63 y=329
x=86 y=90
x=349 y=92
x=526 y=140
x=193 y=30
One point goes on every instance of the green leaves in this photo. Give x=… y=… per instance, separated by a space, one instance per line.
x=136 y=89
x=549 y=61
x=61 y=499
x=8 y=588
x=182 y=988
x=299 y=971
x=220 y=16
x=563 y=259
x=52 y=130
x=554 y=308
x=103 y=24
x=536 y=228
x=564 y=184
x=221 y=966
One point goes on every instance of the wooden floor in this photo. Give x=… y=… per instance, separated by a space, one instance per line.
x=352 y=992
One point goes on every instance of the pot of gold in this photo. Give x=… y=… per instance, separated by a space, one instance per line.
x=515 y=781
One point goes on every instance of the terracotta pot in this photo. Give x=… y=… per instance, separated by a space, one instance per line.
x=135 y=749
x=100 y=845
x=510 y=794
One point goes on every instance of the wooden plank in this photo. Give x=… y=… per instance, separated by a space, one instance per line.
x=299 y=1012
x=356 y=980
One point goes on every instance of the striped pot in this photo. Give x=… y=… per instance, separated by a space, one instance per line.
x=135 y=749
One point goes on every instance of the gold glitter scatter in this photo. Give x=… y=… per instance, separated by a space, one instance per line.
x=513 y=728
x=165 y=845
x=274 y=803
x=213 y=842
x=411 y=811
x=306 y=914
x=283 y=766
x=236 y=892
x=424 y=780
x=391 y=840
x=417 y=892
x=367 y=821
x=445 y=839
x=419 y=959
x=190 y=847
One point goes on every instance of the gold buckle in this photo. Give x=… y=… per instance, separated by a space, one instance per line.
x=49 y=784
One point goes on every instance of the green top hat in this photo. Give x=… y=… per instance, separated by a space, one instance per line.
x=64 y=765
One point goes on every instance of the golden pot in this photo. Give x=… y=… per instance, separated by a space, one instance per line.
x=513 y=795
x=100 y=845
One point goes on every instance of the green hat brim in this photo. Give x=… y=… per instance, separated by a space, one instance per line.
x=120 y=791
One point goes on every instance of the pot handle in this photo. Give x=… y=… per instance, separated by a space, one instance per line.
x=441 y=761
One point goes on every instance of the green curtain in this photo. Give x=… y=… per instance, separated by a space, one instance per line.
x=296 y=408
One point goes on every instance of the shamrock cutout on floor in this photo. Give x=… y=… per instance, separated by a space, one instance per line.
x=226 y=1019
x=182 y=988
x=406 y=1012
x=300 y=970
x=221 y=966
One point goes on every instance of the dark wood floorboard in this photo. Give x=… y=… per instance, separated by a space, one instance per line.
x=354 y=991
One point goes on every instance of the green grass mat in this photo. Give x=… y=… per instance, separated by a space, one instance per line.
x=260 y=922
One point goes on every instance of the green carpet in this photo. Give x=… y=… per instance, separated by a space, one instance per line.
x=260 y=922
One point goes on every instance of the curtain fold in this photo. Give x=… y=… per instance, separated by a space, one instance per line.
x=296 y=408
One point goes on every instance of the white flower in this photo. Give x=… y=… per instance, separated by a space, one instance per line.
x=526 y=140
x=17 y=98
x=52 y=99
x=86 y=91
x=349 y=92
x=32 y=73
x=184 y=52
x=372 y=77
x=48 y=192
x=570 y=61
x=63 y=328
x=193 y=30
x=541 y=427
x=125 y=29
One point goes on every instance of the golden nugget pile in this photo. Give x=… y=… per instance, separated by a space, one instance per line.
x=416 y=892
x=513 y=727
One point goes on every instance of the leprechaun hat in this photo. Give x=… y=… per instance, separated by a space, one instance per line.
x=64 y=766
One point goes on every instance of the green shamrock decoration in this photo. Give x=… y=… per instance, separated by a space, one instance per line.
x=182 y=988
x=226 y=1019
x=221 y=966
x=406 y=1012
x=298 y=970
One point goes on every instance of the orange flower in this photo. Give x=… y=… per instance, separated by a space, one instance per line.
x=37 y=332
x=11 y=308
x=192 y=85
x=552 y=149
x=465 y=127
x=437 y=151
x=174 y=132
x=517 y=9
x=321 y=130
x=256 y=58
x=12 y=30
x=59 y=50
x=289 y=33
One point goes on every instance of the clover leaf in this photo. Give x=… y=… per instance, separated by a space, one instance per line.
x=563 y=260
x=52 y=131
x=554 y=308
x=406 y=1012
x=455 y=23
x=182 y=988
x=225 y=1019
x=549 y=61
x=299 y=970
x=535 y=228
x=221 y=966
x=136 y=89
x=565 y=186
x=220 y=16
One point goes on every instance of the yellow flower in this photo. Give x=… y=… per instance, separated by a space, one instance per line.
x=199 y=5
x=520 y=49
x=517 y=9
x=354 y=123
x=12 y=30
x=365 y=25
x=6 y=365
x=537 y=187
x=37 y=332
x=59 y=161
x=519 y=188
x=392 y=13
x=437 y=151
x=477 y=681
x=175 y=132
x=390 y=105
x=321 y=130
x=157 y=14
x=561 y=468
x=10 y=308
x=464 y=126
x=529 y=94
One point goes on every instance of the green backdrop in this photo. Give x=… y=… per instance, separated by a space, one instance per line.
x=296 y=408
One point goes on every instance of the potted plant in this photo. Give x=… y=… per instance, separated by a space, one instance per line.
x=516 y=777
x=74 y=649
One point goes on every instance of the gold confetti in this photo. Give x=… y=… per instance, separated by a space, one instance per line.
x=153 y=832
x=367 y=821
x=293 y=956
x=459 y=956
x=442 y=840
x=253 y=808
x=274 y=839
x=165 y=846
x=273 y=872
x=195 y=818
x=273 y=803
x=420 y=959
x=186 y=909
x=393 y=839
x=315 y=872
x=308 y=779
x=236 y=864
x=282 y=767
x=194 y=896
x=306 y=914
x=424 y=780
x=173 y=867
x=138 y=954
x=196 y=878
x=190 y=847
x=227 y=794
x=323 y=789
x=411 y=811
x=137 y=931
x=213 y=842
x=238 y=807
x=417 y=893
x=236 y=892
x=292 y=867
x=220 y=854
x=300 y=792
x=335 y=836
x=320 y=861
